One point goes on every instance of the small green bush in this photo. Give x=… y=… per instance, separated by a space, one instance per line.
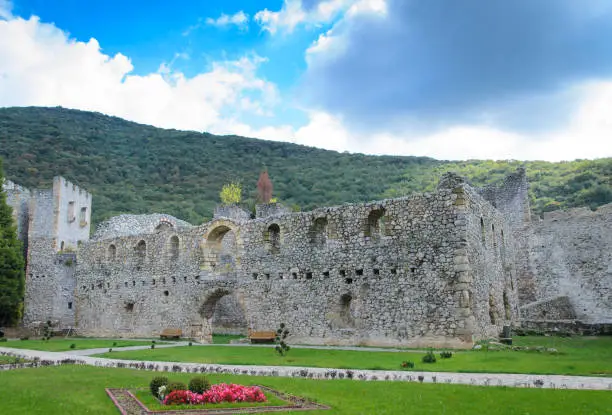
x=73 y=346
x=156 y=383
x=152 y=346
x=114 y=344
x=407 y=364
x=110 y=350
x=175 y=386
x=446 y=355
x=3 y=339
x=199 y=384
x=24 y=338
x=190 y=343
x=430 y=357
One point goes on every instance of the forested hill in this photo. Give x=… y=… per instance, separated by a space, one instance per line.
x=134 y=168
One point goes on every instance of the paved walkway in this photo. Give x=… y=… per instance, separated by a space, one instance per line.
x=89 y=352
x=480 y=379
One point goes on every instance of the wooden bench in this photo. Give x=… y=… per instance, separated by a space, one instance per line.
x=171 y=333
x=262 y=336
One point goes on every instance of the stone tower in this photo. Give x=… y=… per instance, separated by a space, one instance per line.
x=59 y=221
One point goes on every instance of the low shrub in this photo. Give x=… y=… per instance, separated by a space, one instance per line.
x=446 y=355
x=110 y=350
x=199 y=384
x=24 y=338
x=156 y=383
x=190 y=343
x=407 y=364
x=3 y=339
x=175 y=386
x=430 y=357
x=152 y=346
x=114 y=344
x=73 y=346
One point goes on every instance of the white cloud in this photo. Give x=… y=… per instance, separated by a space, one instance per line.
x=6 y=8
x=239 y=19
x=587 y=134
x=41 y=65
x=292 y=14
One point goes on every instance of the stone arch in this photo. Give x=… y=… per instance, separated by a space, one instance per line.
x=223 y=310
x=345 y=310
x=221 y=246
x=174 y=248
x=112 y=252
x=272 y=238
x=375 y=224
x=164 y=225
x=318 y=232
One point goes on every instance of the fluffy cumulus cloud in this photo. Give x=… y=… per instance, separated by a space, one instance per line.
x=435 y=63
x=41 y=65
x=239 y=19
x=302 y=12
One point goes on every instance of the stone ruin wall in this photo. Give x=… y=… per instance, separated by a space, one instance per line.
x=380 y=273
x=571 y=254
x=491 y=254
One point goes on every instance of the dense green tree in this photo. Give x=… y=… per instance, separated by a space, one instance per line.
x=12 y=276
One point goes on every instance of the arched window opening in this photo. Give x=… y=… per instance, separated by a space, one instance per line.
x=220 y=250
x=112 y=253
x=272 y=238
x=318 y=232
x=375 y=224
x=140 y=252
x=174 y=248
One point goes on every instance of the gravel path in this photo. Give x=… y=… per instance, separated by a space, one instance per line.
x=481 y=379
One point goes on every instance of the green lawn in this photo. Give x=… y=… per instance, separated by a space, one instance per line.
x=57 y=344
x=225 y=338
x=577 y=356
x=76 y=390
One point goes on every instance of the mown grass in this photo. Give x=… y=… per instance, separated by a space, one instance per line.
x=577 y=356
x=76 y=390
x=56 y=344
x=225 y=338
x=153 y=404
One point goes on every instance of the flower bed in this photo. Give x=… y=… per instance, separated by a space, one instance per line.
x=216 y=394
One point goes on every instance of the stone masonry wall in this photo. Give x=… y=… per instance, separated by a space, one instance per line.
x=380 y=273
x=571 y=254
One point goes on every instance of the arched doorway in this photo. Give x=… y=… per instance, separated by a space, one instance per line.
x=223 y=310
x=220 y=249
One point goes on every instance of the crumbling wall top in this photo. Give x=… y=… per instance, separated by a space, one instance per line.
x=128 y=225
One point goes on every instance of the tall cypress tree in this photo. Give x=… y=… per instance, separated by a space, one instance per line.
x=12 y=274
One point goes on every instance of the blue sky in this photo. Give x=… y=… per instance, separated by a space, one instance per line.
x=455 y=80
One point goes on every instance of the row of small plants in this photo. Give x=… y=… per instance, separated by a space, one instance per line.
x=429 y=357
x=201 y=392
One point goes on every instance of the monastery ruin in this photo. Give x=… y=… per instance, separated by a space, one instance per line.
x=445 y=268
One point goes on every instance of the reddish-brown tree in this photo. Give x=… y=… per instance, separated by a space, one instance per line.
x=264 y=187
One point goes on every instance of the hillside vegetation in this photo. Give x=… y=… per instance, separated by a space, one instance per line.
x=134 y=168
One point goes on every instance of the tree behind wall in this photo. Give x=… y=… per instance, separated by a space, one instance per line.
x=264 y=187
x=12 y=276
